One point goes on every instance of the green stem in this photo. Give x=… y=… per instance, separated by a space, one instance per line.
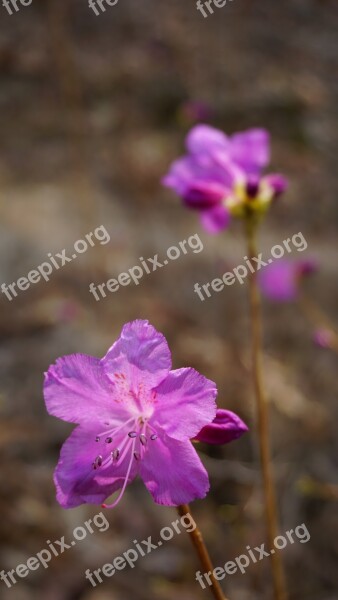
x=263 y=418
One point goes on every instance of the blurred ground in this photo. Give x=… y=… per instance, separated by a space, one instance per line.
x=92 y=112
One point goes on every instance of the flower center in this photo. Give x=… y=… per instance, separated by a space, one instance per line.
x=127 y=440
x=252 y=196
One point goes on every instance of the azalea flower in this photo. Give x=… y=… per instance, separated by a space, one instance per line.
x=280 y=281
x=324 y=338
x=135 y=416
x=221 y=176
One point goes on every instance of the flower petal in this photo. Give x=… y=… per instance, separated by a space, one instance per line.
x=173 y=473
x=215 y=219
x=204 y=139
x=251 y=149
x=182 y=173
x=185 y=402
x=141 y=354
x=225 y=428
x=279 y=281
x=188 y=171
x=75 y=479
x=278 y=183
x=324 y=338
x=203 y=194
x=76 y=389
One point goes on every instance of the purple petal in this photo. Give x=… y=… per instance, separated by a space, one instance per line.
x=225 y=428
x=75 y=479
x=279 y=281
x=324 y=338
x=141 y=355
x=173 y=472
x=76 y=389
x=204 y=139
x=277 y=183
x=203 y=194
x=182 y=173
x=185 y=402
x=251 y=149
x=189 y=171
x=215 y=219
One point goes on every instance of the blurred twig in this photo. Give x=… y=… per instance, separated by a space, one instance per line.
x=311 y=487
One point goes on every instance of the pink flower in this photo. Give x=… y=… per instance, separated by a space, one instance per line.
x=135 y=416
x=280 y=280
x=324 y=338
x=221 y=176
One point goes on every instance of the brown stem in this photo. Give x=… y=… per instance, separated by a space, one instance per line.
x=198 y=543
x=263 y=419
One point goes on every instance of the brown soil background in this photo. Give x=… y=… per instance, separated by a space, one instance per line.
x=91 y=115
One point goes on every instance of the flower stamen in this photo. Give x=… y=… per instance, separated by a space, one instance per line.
x=125 y=480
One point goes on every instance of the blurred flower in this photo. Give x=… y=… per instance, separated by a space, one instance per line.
x=280 y=280
x=134 y=416
x=324 y=338
x=221 y=175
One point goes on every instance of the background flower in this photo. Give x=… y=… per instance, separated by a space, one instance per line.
x=281 y=280
x=221 y=175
